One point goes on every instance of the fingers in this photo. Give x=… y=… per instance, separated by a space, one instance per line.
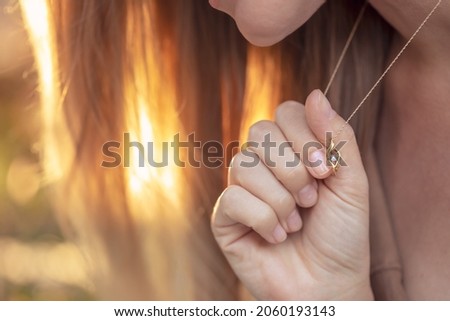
x=238 y=208
x=260 y=182
x=272 y=147
x=322 y=119
x=290 y=117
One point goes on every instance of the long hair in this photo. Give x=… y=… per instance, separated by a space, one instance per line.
x=154 y=69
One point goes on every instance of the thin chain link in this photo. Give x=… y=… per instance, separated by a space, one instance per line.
x=387 y=69
x=347 y=44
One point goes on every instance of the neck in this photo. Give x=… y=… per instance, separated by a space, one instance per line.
x=416 y=89
x=416 y=95
x=405 y=16
x=419 y=80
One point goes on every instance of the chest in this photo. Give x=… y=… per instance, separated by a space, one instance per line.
x=413 y=152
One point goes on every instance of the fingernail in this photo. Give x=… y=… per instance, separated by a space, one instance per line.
x=307 y=195
x=279 y=234
x=294 y=221
x=318 y=162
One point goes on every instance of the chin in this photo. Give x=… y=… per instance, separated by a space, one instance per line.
x=262 y=35
x=267 y=22
x=262 y=40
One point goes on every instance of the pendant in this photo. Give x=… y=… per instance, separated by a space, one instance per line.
x=333 y=157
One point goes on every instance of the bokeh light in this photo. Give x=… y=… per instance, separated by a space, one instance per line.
x=36 y=261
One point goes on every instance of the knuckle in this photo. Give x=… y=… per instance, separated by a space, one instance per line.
x=266 y=219
x=241 y=166
x=285 y=110
x=230 y=196
x=237 y=160
x=285 y=203
x=257 y=131
x=291 y=173
x=226 y=204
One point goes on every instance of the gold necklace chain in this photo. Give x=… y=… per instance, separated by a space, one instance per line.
x=344 y=51
x=347 y=44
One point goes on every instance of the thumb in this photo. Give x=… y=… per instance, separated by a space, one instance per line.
x=329 y=127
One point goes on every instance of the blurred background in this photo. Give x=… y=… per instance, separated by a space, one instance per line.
x=36 y=262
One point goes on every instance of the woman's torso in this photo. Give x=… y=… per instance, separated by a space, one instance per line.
x=413 y=154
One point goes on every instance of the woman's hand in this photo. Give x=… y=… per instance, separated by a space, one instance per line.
x=297 y=232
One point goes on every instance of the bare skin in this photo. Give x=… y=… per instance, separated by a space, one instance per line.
x=412 y=146
x=412 y=149
x=326 y=254
x=412 y=155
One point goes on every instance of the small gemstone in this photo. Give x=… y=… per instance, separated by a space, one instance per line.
x=334 y=157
